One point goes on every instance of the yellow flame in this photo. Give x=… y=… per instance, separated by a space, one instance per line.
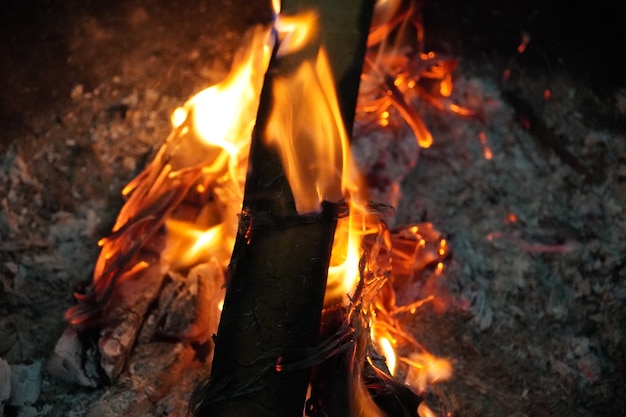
x=219 y=112
x=212 y=133
x=389 y=352
x=426 y=369
x=276 y=5
x=178 y=117
x=343 y=270
x=423 y=410
x=188 y=245
x=305 y=125
x=295 y=32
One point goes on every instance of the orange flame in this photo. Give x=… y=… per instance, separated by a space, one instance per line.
x=305 y=125
x=426 y=369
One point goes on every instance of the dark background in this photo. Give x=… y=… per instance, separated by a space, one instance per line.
x=38 y=68
x=43 y=58
x=588 y=39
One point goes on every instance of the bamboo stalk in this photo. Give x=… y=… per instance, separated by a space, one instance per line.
x=278 y=270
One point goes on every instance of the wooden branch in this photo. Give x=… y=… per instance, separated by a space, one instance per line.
x=277 y=276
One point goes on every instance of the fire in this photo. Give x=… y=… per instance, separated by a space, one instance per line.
x=306 y=110
x=426 y=369
x=295 y=31
x=343 y=273
x=389 y=352
x=192 y=191
x=189 y=245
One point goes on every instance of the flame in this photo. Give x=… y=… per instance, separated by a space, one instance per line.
x=295 y=32
x=305 y=125
x=221 y=118
x=188 y=244
x=387 y=349
x=343 y=272
x=423 y=410
x=426 y=369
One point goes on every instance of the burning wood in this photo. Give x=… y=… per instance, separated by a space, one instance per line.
x=277 y=275
x=172 y=239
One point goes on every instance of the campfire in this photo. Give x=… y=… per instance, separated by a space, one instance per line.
x=252 y=261
x=528 y=194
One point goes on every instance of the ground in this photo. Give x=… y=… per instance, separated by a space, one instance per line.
x=537 y=232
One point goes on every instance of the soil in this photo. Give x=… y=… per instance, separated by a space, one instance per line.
x=537 y=232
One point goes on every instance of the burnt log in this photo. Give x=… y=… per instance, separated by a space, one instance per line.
x=277 y=274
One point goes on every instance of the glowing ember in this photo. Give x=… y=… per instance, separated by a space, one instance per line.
x=547 y=94
x=399 y=72
x=487 y=153
x=523 y=43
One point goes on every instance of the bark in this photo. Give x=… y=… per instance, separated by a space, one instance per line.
x=278 y=270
